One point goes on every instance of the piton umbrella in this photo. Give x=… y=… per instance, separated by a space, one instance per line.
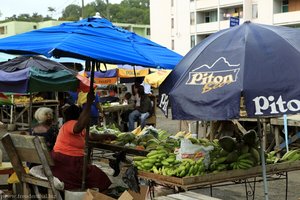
x=27 y=74
x=259 y=62
x=92 y=39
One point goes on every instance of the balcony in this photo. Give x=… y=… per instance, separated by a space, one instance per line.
x=207 y=28
x=287 y=18
x=225 y=3
x=206 y=4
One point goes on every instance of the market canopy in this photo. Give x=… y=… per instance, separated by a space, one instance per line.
x=92 y=39
x=36 y=74
x=109 y=74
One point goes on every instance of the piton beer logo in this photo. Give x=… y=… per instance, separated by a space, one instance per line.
x=209 y=79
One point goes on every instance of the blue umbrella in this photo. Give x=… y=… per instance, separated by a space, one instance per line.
x=259 y=62
x=92 y=39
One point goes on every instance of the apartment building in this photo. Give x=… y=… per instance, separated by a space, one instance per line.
x=181 y=24
x=17 y=27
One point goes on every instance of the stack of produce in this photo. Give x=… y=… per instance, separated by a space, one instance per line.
x=149 y=140
x=112 y=129
x=232 y=154
x=163 y=162
x=290 y=156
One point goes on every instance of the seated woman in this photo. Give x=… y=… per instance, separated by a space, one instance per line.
x=68 y=152
x=45 y=126
x=142 y=109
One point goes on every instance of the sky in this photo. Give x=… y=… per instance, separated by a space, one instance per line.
x=11 y=7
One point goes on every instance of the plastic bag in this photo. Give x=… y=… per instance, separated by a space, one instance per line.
x=193 y=151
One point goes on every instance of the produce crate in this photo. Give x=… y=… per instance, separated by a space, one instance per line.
x=221 y=177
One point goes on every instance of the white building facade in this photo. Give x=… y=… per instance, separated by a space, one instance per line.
x=181 y=24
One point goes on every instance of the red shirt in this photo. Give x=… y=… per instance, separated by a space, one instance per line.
x=68 y=142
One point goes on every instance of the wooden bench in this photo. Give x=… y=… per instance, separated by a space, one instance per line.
x=30 y=149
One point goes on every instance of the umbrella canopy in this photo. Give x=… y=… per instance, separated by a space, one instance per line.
x=156 y=78
x=36 y=74
x=259 y=62
x=92 y=39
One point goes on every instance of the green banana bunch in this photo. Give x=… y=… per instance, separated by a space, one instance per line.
x=291 y=155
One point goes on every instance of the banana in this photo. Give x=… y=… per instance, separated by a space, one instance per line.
x=250 y=162
x=243 y=156
x=288 y=155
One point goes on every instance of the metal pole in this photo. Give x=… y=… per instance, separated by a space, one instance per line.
x=197 y=129
x=86 y=148
x=263 y=163
x=30 y=113
x=286 y=134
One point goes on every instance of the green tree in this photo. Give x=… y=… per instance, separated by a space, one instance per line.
x=71 y=13
x=128 y=11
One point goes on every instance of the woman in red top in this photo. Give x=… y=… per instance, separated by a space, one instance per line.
x=68 y=151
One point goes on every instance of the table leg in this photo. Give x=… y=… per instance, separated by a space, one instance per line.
x=211 y=190
x=286 y=185
x=277 y=140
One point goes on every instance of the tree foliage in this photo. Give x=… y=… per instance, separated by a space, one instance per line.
x=35 y=17
x=128 y=11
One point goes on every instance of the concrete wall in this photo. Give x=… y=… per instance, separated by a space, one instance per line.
x=160 y=22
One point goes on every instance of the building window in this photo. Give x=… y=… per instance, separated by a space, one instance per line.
x=3 y=30
x=192 y=18
x=210 y=16
x=148 y=31
x=232 y=12
x=172 y=3
x=254 y=11
x=285 y=6
x=173 y=45
x=172 y=23
x=193 y=41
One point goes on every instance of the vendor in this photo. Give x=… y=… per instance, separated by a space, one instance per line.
x=142 y=109
x=68 y=152
x=112 y=95
x=45 y=127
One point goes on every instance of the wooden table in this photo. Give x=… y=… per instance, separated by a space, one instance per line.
x=119 y=109
x=194 y=182
x=186 y=195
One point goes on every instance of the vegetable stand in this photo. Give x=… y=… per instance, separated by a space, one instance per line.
x=274 y=171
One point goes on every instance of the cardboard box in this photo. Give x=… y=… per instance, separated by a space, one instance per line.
x=127 y=195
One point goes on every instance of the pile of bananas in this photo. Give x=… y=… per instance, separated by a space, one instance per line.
x=291 y=155
x=165 y=163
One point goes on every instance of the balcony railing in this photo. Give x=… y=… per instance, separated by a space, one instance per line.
x=287 y=18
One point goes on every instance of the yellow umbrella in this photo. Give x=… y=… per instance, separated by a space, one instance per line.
x=156 y=78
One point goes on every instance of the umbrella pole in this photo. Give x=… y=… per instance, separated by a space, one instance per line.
x=286 y=134
x=30 y=113
x=263 y=161
x=86 y=148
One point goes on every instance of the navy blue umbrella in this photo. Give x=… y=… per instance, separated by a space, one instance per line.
x=259 y=62
x=92 y=39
